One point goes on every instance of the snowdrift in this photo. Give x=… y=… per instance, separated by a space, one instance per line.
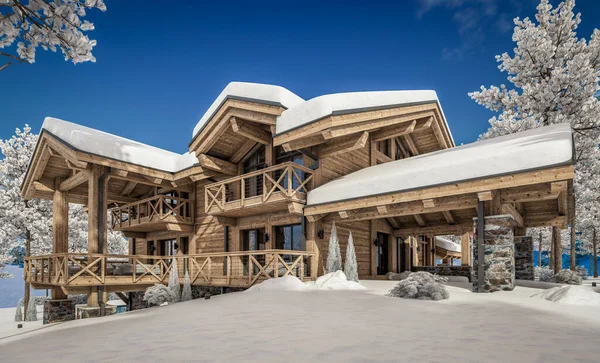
x=336 y=281
x=285 y=283
x=571 y=294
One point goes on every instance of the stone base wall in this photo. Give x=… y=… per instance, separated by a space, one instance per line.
x=58 y=310
x=464 y=271
x=524 y=258
x=86 y=312
x=499 y=250
x=136 y=301
x=199 y=292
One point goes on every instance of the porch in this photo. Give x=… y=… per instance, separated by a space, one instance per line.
x=77 y=272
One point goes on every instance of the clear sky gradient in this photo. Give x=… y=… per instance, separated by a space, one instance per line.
x=161 y=64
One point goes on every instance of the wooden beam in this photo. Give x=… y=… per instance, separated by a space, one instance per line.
x=394 y=131
x=75 y=164
x=203 y=176
x=295 y=208
x=561 y=189
x=216 y=164
x=393 y=222
x=42 y=188
x=428 y=203
x=529 y=193
x=179 y=227
x=411 y=144
x=486 y=196
x=343 y=214
x=512 y=211
x=449 y=217
x=242 y=151
x=128 y=188
x=121 y=173
x=304 y=143
x=382 y=209
x=354 y=142
x=74 y=181
x=227 y=221
x=250 y=132
x=315 y=217
x=414 y=207
x=141 y=235
x=154 y=180
x=549 y=221
x=456 y=229
x=420 y=220
x=374 y=124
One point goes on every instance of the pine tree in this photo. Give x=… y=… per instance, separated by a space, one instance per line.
x=186 y=293
x=174 y=281
x=334 y=256
x=31 y=314
x=351 y=267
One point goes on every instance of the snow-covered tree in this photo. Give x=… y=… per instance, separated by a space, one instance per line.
x=334 y=256
x=186 y=292
x=421 y=285
x=555 y=79
x=27 y=25
x=174 y=281
x=350 y=266
x=31 y=314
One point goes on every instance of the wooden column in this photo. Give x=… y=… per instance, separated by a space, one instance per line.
x=313 y=246
x=60 y=228
x=557 y=250
x=96 y=214
x=465 y=249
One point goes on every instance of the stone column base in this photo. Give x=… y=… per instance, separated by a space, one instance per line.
x=524 y=258
x=499 y=250
x=137 y=301
x=58 y=310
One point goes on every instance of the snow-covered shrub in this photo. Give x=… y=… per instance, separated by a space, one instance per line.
x=351 y=267
x=582 y=272
x=186 y=292
x=544 y=273
x=19 y=311
x=158 y=294
x=395 y=276
x=420 y=285
x=174 y=281
x=334 y=256
x=439 y=278
x=31 y=314
x=567 y=277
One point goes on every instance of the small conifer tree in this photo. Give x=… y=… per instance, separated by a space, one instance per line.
x=186 y=293
x=19 y=312
x=351 y=267
x=174 y=281
x=334 y=256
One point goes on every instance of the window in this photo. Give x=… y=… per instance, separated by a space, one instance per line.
x=289 y=237
x=256 y=161
x=295 y=157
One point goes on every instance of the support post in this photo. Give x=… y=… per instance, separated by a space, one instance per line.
x=60 y=229
x=465 y=249
x=96 y=221
x=595 y=253
x=540 y=251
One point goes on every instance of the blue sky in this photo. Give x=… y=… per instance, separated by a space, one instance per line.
x=160 y=66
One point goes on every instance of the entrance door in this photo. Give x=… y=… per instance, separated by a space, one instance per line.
x=382 y=253
x=253 y=240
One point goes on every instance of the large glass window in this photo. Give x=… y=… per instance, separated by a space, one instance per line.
x=289 y=237
x=256 y=161
x=295 y=157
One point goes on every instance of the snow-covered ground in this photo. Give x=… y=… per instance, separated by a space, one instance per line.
x=8 y=326
x=318 y=325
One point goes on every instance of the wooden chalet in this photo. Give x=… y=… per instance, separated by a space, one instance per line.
x=266 y=175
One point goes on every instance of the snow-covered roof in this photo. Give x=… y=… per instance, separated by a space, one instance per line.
x=256 y=92
x=447 y=244
x=118 y=148
x=529 y=150
x=339 y=103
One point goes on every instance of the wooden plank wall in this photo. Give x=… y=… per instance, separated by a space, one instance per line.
x=361 y=232
x=209 y=234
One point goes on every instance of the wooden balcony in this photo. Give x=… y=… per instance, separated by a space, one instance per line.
x=157 y=213
x=261 y=191
x=76 y=271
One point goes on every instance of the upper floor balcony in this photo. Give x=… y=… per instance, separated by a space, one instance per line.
x=152 y=214
x=278 y=187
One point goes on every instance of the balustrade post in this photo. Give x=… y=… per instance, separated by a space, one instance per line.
x=301 y=268
x=243 y=191
x=275 y=264
x=289 y=179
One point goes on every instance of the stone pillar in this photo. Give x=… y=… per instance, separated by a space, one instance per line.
x=499 y=254
x=58 y=310
x=524 y=258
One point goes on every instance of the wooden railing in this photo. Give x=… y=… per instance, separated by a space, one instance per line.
x=288 y=180
x=241 y=269
x=154 y=209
